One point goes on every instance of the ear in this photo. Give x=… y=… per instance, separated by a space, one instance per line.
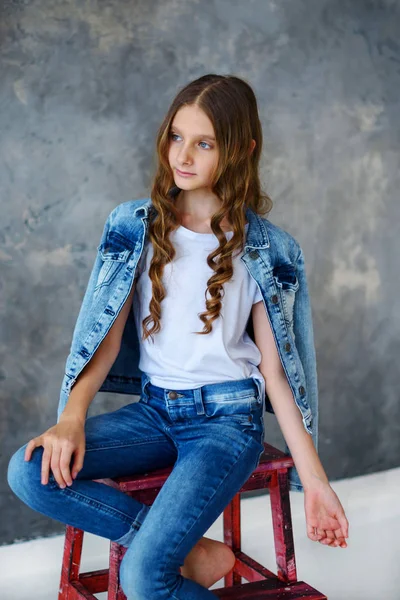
x=252 y=146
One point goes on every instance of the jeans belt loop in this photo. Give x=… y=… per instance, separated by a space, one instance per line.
x=198 y=400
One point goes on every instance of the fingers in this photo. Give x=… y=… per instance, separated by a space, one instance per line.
x=314 y=537
x=334 y=538
x=78 y=462
x=58 y=457
x=330 y=538
x=314 y=533
x=57 y=453
x=55 y=467
x=46 y=457
x=31 y=445
x=344 y=526
x=327 y=537
x=65 y=460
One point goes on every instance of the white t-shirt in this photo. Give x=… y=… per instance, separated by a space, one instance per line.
x=178 y=358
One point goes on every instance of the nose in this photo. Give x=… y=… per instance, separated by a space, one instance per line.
x=184 y=156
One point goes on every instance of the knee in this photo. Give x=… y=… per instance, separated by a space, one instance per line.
x=139 y=575
x=23 y=476
x=132 y=576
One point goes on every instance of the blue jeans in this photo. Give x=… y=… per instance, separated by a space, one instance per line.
x=212 y=436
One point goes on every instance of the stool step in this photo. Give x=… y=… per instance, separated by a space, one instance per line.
x=270 y=589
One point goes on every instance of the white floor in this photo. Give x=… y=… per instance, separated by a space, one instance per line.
x=368 y=569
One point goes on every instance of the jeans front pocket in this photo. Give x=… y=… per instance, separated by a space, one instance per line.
x=245 y=415
x=253 y=423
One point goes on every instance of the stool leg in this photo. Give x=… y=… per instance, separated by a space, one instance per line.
x=282 y=525
x=232 y=536
x=71 y=560
x=115 y=591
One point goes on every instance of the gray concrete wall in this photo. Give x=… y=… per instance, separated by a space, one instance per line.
x=84 y=86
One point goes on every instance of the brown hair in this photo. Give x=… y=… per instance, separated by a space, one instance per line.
x=230 y=104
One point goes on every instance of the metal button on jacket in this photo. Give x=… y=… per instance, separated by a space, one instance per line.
x=172 y=395
x=274 y=299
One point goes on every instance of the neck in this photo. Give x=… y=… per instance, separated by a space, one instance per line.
x=197 y=204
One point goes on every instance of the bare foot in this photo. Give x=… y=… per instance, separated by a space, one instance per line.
x=208 y=561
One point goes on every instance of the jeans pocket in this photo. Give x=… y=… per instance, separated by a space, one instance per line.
x=254 y=421
x=243 y=403
x=145 y=382
x=245 y=418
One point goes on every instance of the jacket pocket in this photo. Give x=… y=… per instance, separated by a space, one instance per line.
x=287 y=284
x=114 y=254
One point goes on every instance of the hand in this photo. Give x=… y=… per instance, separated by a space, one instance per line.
x=60 y=442
x=325 y=517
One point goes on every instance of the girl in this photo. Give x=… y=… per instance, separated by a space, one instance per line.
x=196 y=253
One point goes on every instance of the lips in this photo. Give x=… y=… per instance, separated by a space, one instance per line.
x=184 y=172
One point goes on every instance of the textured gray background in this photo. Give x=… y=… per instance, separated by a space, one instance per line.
x=84 y=86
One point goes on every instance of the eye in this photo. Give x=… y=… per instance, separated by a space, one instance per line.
x=175 y=135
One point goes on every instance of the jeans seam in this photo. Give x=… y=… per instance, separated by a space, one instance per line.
x=135 y=525
x=204 y=507
x=127 y=445
x=99 y=505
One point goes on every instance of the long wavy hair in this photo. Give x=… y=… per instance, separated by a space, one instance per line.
x=230 y=104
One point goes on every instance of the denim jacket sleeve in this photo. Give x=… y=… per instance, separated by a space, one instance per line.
x=85 y=311
x=304 y=340
x=82 y=323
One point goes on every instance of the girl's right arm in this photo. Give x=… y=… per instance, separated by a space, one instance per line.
x=67 y=437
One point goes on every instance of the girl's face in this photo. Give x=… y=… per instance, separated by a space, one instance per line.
x=192 y=148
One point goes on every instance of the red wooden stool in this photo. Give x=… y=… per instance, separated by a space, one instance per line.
x=271 y=473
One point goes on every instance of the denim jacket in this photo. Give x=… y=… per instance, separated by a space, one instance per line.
x=272 y=257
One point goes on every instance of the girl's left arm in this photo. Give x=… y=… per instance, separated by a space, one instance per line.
x=308 y=464
x=326 y=520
